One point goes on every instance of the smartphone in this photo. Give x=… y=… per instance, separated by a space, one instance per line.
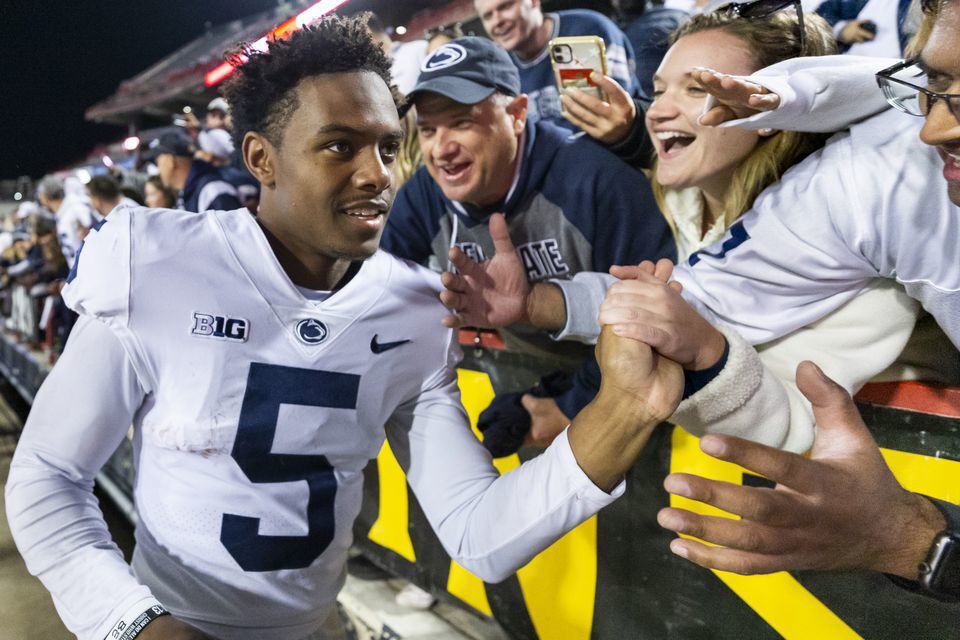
x=574 y=58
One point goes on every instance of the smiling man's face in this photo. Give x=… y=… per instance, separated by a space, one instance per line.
x=471 y=150
x=941 y=58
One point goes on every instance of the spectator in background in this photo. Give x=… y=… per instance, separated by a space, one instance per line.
x=568 y=204
x=201 y=185
x=106 y=195
x=441 y=35
x=878 y=28
x=521 y=27
x=157 y=195
x=215 y=141
x=405 y=57
x=74 y=216
x=648 y=25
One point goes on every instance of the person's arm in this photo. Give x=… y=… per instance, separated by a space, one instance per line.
x=754 y=395
x=76 y=423
x=813 y=93
x=839 y=509
x=492 y=524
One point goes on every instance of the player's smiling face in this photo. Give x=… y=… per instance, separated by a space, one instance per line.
x=328 y=190
x=471 y=150
x=690 y=155
x=942 y=63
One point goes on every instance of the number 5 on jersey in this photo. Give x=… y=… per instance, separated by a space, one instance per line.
x=268 y=387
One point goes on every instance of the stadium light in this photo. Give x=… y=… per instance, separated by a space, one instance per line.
x=401 y=30
x=18 y=196
x=223 y=70
x=131 y=144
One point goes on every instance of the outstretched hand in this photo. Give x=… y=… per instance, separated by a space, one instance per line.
x=737 y=98
x=492 y=293
x=840 y=509
x=645 y=307
x=609 y=120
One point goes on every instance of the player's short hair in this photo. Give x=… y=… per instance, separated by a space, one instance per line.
x=104 y=187
x=262 y=92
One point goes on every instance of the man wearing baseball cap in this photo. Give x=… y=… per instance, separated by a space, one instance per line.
x=568 y=204
x=201 y=185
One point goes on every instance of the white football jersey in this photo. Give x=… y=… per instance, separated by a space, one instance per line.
x=256 y=413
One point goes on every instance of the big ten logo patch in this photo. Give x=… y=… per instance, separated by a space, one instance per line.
x=542 y=259
x=206 y=325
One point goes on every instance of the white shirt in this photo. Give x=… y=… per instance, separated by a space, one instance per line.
x=255 y=411
x=73 y=215
x=886 y=44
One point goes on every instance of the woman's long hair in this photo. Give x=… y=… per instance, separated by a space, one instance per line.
x=771 y=40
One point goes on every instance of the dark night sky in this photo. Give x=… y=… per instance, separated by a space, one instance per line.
x=59 y=57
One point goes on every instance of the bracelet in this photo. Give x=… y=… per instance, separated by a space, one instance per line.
x=130 y=626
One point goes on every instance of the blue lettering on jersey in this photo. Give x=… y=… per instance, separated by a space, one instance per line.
x=473 y=250
x=268 y=387
x=206 y=325
x=542 y=259
x=738 y=235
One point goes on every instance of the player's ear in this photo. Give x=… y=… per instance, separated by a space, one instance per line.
x=259 y=156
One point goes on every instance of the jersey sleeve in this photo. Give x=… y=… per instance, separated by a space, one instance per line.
x=490 y=524
x=803 y=250
x=817 y=93
x=218 y=195
x=755 y=395
x=100 y=283
x=80 y=415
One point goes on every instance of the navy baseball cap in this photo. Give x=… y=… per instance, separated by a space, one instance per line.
x=468 y=70
x=177 y=143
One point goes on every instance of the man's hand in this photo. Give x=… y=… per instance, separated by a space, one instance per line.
x=608 y=121
x=547 y=421
x=639 y=389
x=489 y=294
x=647 y=309
x=855 y=33
x=840 y=509
x=169 y=628
x=736 y=98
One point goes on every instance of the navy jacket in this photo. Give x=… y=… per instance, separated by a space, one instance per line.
x=208 y=188
x=576 y=207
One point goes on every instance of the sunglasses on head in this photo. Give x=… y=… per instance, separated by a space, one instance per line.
x=759 y=9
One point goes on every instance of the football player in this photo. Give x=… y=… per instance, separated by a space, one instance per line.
x=258 y=360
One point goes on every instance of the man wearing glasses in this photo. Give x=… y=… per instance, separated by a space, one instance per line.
x=841 y=508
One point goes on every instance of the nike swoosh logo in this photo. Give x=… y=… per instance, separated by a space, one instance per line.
x=380 y=347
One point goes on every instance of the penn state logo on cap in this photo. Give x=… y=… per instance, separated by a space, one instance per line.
x=444 y=57
x=467 y=70
x=311 y=331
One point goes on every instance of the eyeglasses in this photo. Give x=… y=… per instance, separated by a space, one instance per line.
x=916 y=100
x=763 y=8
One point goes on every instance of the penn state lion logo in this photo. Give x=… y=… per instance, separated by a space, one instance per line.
x=311 y=331
x=446 y=56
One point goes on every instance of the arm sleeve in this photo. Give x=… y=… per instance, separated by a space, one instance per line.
x=490 y=524
x=818 y=93
x=582 y=295
x=798 y=254
x=636 y=148
x=755 y=395
x=80 y=415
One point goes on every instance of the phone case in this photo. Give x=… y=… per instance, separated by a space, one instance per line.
x=573 y=59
